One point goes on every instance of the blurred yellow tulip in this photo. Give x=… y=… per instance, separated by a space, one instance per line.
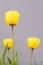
x=8 y=42
x=12 y=17
x=33 y=42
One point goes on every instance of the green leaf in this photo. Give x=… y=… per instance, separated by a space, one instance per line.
x=1 y=62
x=13 y=63
x=9 y=60
x=3 y=54
x=17 y=60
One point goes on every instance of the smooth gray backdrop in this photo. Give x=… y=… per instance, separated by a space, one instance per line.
x=30 y=24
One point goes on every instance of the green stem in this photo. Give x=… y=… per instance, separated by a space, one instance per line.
x=8 y=52
x=13 y=43
x=31 y=57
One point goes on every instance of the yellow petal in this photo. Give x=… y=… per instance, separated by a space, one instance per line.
x=12 y=17
x=33 y=42
x=8 y=42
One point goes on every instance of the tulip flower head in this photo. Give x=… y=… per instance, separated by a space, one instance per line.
x=8 y=42
x=12 y=17
x=33 y=42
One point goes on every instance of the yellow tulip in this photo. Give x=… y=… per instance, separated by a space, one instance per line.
x=8 y=42
x=33 y=42
x=12 y=17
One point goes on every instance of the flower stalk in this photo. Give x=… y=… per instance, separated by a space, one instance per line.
x=8 y=51
x=13 y=42
x=31 y=56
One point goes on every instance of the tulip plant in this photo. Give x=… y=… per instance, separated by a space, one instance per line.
x=11 y=19
x=33 y=43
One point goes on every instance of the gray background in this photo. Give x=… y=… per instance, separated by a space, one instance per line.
x=30 y=24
